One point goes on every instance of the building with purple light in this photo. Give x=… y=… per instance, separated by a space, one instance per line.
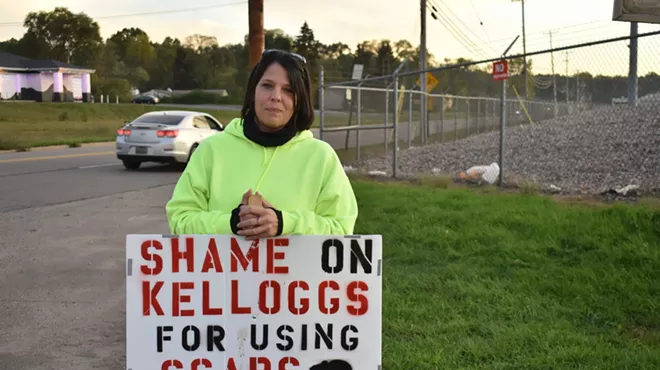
x=43 y=80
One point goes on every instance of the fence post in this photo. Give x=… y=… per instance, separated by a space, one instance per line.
x=442 y=118
x=455 y=104
x=479 y=129
x=359 y=118
x=467 y=117
x=396 y=123
x=502 y=123
x=321 y=103
x=410 y=106
x=387 y=111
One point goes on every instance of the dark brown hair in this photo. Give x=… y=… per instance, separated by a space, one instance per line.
x=303 y=109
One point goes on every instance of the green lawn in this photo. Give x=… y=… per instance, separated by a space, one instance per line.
x=26 y=125
x=504 y=281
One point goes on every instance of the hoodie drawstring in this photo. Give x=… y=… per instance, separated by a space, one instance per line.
x=267 y=167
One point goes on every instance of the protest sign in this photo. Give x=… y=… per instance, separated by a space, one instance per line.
x=220 y=302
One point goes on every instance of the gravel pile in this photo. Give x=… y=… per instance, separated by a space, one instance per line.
x=588 y=152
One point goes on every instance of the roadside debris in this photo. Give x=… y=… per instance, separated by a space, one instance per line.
x=554 y=188
x=349 y=169
x=626 y=191
x=479 y=173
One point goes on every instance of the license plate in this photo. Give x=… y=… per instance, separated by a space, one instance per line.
x=141 y=150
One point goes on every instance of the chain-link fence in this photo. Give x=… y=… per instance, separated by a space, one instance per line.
x=576 y=131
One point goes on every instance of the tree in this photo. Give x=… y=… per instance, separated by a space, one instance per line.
x=161 y=71
x=200 y=43
x=365 y=54
x=335 y=50
x=277 y=39
x=68 y=37
x=403 y=49
x=385 y=60
x=134 y=47
x=306 y=45
x=12 y=46
x=130 y=58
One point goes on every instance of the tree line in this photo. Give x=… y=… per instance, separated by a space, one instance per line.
x=131 y=59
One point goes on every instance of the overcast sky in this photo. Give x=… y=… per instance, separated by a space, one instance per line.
x=490 y=24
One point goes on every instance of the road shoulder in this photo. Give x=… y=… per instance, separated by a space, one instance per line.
x=57 y=147
x=63 y=290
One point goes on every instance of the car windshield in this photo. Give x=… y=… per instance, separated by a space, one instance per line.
x=164 y=119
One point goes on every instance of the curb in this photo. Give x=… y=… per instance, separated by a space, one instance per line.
x=54 y=147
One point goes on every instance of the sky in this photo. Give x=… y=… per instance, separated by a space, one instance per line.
x=485 y=26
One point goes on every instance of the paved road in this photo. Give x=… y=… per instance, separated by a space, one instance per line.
x=62 y=278
x=64 y=215
x=40 y=178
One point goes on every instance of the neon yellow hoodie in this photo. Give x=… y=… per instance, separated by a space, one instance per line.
x=303 y=178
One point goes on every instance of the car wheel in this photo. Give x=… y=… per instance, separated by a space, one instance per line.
x=131 y=165
x=192 y=150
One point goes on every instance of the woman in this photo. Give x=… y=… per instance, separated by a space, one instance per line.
x=269 y=152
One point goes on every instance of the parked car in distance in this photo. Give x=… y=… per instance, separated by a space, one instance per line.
x=145 y=99
x=164 y=137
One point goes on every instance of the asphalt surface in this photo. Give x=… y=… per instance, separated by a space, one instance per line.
x=62 y=280
x=40 y=178
x=64 y=215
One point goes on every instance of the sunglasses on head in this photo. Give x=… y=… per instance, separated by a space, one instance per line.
x=279 y=51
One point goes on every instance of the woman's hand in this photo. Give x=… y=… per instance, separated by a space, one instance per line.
x=257 y=222
x=244 y=202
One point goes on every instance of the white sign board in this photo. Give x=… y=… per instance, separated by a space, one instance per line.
x=220 y=302
x=645 y=11
x=357 y=71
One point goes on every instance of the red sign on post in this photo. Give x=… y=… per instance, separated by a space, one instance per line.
x=500 y=70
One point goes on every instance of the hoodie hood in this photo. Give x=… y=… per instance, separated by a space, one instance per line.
x=235 y=128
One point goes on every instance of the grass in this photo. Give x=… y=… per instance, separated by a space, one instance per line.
x=27 y=125
x=513 y=281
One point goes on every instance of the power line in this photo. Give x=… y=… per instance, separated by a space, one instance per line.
x=542 y=35
x=480 y=21
x=160 y=12
x=574 y=36
x=458 y=18
x=454 y=29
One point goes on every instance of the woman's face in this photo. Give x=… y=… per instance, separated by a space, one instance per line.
x=273 y=99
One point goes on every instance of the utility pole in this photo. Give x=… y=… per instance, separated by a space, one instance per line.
x=632 y=67
x=567 y=83
x=422 y=66
x=524 y=49
x=256 y=31
x=503 y=118
x=577 y=89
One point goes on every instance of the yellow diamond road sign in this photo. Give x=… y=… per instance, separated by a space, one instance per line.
x=431 y=82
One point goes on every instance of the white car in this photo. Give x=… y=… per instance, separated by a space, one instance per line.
x=164 y=137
